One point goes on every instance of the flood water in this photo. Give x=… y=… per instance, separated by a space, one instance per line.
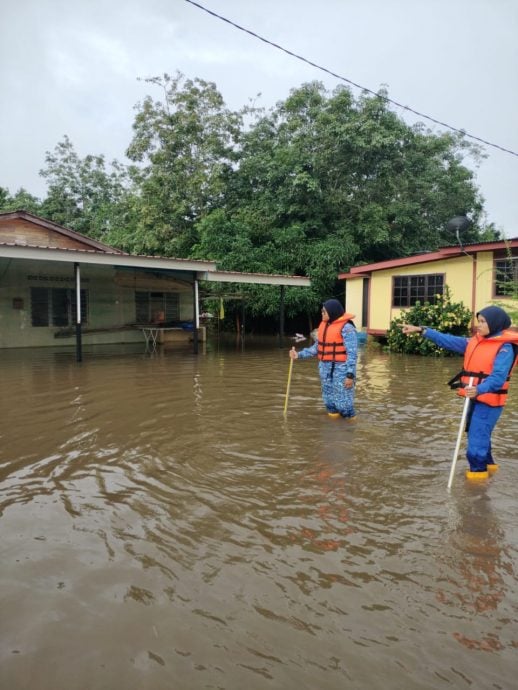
x=164 y=527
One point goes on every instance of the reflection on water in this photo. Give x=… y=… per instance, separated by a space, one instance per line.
x=477 y=562
x=164 y=526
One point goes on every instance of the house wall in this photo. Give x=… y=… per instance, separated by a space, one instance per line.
x=458 y=276
x=354 y=299
x=485 y=277
x=111 y=303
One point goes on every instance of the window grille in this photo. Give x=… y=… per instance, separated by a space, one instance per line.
x=506 y=277
x=56 y=307
x=150 y=305
x=407 y=290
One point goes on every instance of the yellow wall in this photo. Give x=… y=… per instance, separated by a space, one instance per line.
x=458 y=273
x=354 y=299
x=484 y=280
x=458 y=277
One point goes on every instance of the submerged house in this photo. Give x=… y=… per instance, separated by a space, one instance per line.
x=476 y=274
x=58 y=287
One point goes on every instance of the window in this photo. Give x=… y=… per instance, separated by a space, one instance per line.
x=506 y=277
x=56 y=306
x=407 y=290
x=157 y=306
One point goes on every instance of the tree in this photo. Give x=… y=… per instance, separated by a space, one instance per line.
x=184 y=147
x=325 y=182
x=84 y=195
x=318 y=183
x=21 y=200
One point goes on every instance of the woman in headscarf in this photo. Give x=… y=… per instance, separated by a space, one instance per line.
x=337 y=350
x=489 y=357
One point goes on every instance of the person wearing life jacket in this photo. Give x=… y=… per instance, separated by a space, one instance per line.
x=336 y=348
x=489 y=358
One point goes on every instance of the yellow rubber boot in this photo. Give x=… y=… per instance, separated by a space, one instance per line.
x=476 y=475
x=493 y=467
x=334 y=415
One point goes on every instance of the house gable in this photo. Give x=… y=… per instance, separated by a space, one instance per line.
x=25 y=229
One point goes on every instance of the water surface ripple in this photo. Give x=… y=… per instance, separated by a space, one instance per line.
x=164 y=526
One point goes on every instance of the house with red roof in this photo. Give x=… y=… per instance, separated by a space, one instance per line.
x=476 y=274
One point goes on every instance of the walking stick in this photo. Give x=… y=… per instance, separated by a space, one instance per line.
x=461 y=427
x=288 y=388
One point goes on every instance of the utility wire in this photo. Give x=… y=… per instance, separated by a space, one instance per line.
x=349 y=81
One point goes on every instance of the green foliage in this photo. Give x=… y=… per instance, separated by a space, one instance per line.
x=184 y=147
x=21 y=200
x=312 y=186
x=84 y=195
x=443 y=315
x=324 y=182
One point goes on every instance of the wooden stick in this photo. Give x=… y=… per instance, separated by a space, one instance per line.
x=288 y=388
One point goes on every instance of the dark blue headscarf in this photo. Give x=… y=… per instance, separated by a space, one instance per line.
x=497 y=319
x=334 y=309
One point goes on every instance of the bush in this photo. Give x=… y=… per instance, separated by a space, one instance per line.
x=443 y=315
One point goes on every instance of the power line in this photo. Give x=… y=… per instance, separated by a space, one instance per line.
x=349 y=81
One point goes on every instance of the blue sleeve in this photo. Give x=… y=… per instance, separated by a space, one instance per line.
x=351 y=345
x=501 y=368
x=308 y=352
x=454 y=343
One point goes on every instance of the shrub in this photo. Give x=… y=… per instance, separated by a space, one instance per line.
x=443 y=315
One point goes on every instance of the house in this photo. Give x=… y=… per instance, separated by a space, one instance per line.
x=476 y=274
x=58 y=287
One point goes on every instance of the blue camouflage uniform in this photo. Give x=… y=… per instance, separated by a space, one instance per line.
x=483 y=418
x=336 y=397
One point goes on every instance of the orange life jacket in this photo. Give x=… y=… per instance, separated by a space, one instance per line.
x=478 y=363
x=331 y=346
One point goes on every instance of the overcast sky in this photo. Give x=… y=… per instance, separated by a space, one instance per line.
x=72 y=66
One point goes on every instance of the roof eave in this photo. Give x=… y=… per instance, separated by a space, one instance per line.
x=86 y=256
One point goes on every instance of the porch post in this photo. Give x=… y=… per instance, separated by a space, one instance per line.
x=243 y=319
x=196 y=317
x=79 y=352
x=281 y=319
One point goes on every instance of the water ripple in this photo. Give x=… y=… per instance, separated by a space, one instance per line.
x=163 y=512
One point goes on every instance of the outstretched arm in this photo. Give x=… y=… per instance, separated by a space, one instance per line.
x=454 y=343
x=306 y=353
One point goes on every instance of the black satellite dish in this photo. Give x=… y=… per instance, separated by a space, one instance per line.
x=458 y=224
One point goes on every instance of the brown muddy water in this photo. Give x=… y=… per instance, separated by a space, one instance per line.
x=164 y=527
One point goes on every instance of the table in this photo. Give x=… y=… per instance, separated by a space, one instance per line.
x=151 y=334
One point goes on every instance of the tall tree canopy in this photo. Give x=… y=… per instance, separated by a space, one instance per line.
x=83 y=194
x=324 y=182
x=312 y=186
x=184 y=147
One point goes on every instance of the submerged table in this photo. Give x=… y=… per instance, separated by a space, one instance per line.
x=151 y=334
